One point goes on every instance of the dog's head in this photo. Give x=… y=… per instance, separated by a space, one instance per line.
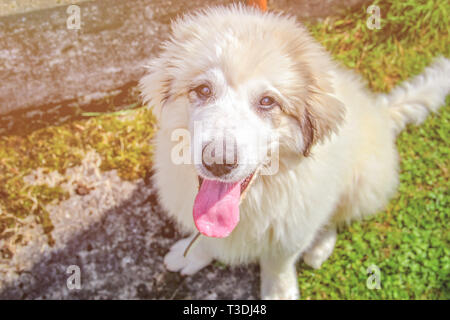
x=250 y=87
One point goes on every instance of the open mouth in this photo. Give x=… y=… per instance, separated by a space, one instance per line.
x=216 y=206
x=244 y=183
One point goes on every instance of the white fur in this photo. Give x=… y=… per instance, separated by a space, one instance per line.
x=349 y=175
x=175 y=260
x=321 y=248
x=413 y=100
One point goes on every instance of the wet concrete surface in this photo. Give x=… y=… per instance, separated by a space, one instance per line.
x=44 y=63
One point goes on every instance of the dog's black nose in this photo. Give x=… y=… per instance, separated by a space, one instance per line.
x=229 y=159
x=219 y=169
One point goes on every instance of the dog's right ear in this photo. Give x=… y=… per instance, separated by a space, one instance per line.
x=155 y=86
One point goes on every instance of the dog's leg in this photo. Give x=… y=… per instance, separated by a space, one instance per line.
x=321 y=248
x=278 y=277
x=196 y=258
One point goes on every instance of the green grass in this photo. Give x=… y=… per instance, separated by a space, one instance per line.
x=409 y=241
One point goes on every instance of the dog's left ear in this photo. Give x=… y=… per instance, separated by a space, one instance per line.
x=321 y=115
x=155 y=85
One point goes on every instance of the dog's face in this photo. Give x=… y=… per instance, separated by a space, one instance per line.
x=248 y=86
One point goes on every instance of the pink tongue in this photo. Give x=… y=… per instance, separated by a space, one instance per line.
x=216 y=208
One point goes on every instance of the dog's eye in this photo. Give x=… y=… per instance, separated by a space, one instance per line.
x=266 y=102
x=203 y=91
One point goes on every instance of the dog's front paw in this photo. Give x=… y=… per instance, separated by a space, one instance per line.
x=281 y=292
x=321 y=250
x=279 y=285
x=195 y=260
x=315 y=258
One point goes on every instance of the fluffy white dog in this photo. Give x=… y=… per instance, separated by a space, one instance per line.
x=266 y=145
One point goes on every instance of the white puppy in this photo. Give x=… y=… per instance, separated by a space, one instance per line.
x=263 y=110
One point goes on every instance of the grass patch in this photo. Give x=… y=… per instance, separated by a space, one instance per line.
x=409 y=241
x=121 y=139
x=412 y=33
